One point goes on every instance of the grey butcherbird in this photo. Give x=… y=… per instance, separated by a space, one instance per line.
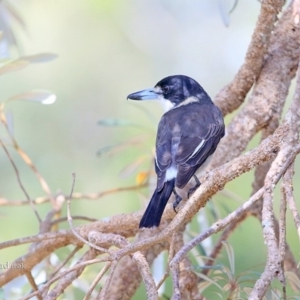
x=188 y=134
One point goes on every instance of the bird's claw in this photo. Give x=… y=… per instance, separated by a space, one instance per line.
x=177 y=201
x=193 y=189
x=174 y=208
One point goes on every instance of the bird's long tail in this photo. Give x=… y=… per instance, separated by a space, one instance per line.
x=157 y=205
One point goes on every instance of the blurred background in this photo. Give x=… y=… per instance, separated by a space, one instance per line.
x=106 y=50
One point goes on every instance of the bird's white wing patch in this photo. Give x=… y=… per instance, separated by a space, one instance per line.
x=155 y=157
x=197 y=149
x=171 y=173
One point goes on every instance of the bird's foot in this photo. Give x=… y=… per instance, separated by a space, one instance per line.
x=177 y=200
x=193 y=189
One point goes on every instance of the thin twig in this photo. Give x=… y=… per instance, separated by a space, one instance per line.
x=33 y=239
x=160 y=283
x=26 y=158
x=77 y=196
x=20 y=182
x=64 y=273
x=102 y=293
x=68 y=279
x=33 y=284
x=96 y=280
x=282 y=224
x=74 y=251
x=170 y=256
x=71 y=225
x=63 y=219
x=287 y=181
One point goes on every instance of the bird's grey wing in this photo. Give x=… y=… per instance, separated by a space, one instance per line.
x=193 y=151
x=163 y=153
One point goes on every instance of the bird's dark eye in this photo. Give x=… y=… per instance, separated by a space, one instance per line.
x=165 y=89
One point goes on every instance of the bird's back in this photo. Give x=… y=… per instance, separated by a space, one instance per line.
x=186 y=137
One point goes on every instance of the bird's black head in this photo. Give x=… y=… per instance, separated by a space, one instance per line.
x=174 y=91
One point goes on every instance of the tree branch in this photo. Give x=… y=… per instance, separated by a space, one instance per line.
x=233 y=95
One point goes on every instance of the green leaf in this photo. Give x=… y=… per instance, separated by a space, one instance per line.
x=106 y=149
x=213 y=209
x=41 y=96
x=210 y=280
x=230 y=254
x=247 y=290
x=39 y=58
x=227 y=272
x=276 y=294
x=115 y=122
x=12 y=66
x=203 y=286
x=219 y=295
x=226 y=9
x=232 y=196
x=293 y=279
x=214 y=267
x=201 y=250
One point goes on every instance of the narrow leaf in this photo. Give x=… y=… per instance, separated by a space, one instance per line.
x=247 y=290
x=276 y=294
x=106 y=149
x=293 y=279
x=213 y=209
x=41 y=96
x=224 y=11
x=201 y=250
x=215 y=267
x=219 y=295
x=226 y=7
x=10 y=123
x=115 y=122
x=38 y=58
x=210 y=280
x=14 y=65
x=230 y=254
x=203 y=286
x=15 y=14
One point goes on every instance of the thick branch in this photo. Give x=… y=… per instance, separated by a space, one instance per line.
x=233 y=95
x=268 y=95
x=289 y=149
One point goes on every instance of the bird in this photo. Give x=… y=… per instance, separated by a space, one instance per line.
x=188 y=134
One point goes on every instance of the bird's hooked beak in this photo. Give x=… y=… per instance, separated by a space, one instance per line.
x=149 y=94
